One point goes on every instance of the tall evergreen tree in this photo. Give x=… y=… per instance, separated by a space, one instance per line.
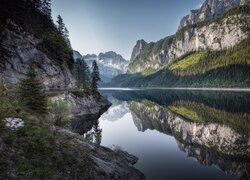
x=95 y=77
x=32 y=92
x=46 y=8
x=88 y=76
x=36 y=4
x=66 y=36
x=61 y=25
x=85 y=75
x=81 y=73
x=77 y=72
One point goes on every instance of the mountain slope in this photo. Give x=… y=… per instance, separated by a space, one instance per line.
x=225 y=68
x=28 y=35
x=226 y=31
x=210 y=53
x=210 y=9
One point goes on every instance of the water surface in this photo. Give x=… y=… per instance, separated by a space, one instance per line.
x=179 y=134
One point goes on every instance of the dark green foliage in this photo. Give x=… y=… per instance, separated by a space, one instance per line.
x=46 y=8
x=32 y=93
x=61 y=25
x=57 y=48
x=81 y=73
x=27 y=15
x=61 y=112
x=230 y=76
x=95 y=77
x=34 y=17
x=37 y=152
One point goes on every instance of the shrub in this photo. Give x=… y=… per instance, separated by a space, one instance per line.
x=32 y=92
x=61 y=113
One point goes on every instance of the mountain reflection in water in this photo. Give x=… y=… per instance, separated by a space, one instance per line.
x=212 y=127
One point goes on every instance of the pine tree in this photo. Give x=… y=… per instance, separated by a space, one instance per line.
x=88 y=77
x=36 y=4
x=46 y=8
x=61 y=25
x=81 y=73
x=95 y=77
x=32 y=92
x=77 y=72
x=66 y=36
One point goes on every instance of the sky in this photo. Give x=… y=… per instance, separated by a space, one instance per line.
x=115 y=25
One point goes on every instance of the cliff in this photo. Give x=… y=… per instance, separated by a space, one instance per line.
x=24 y=48
x=139 y=47
x=210 y=9
x=28 y=34
x=225 y=27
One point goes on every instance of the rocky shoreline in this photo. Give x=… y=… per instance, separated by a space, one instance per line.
x=109 y=163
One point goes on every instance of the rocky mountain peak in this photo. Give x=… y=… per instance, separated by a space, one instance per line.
x=139 y=47
x=210 y=9
x=109 y=54
x=77 y=55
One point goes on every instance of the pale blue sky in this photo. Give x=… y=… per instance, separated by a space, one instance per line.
x=103 y=25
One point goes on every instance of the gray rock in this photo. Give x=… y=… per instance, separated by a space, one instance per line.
x=139 y=47
x=210 y=9
x=23 y=48
x=87 y=105
x=115 y=164
x=215 y=36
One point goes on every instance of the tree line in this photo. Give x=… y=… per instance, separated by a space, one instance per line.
x=86 y=79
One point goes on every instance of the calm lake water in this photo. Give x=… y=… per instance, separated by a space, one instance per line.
x=178 y=134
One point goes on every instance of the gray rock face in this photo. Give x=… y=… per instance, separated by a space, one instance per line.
x=215 y=36
x=109 y=164
x=139 y=47
x=210 y=9
x=88 y=105
x=23 y=48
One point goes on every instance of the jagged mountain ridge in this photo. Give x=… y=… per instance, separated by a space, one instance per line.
x=215 y=33
x=210 y=9
x=110 y=63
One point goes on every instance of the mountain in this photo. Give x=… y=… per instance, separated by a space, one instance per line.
x=210 y=9
x=139 y=47
x=110 y=63
x=200 y=49
x=76 y=55
x=217 y=31
x=34 y=40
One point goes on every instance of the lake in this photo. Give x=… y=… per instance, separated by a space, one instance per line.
x=178 y=134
